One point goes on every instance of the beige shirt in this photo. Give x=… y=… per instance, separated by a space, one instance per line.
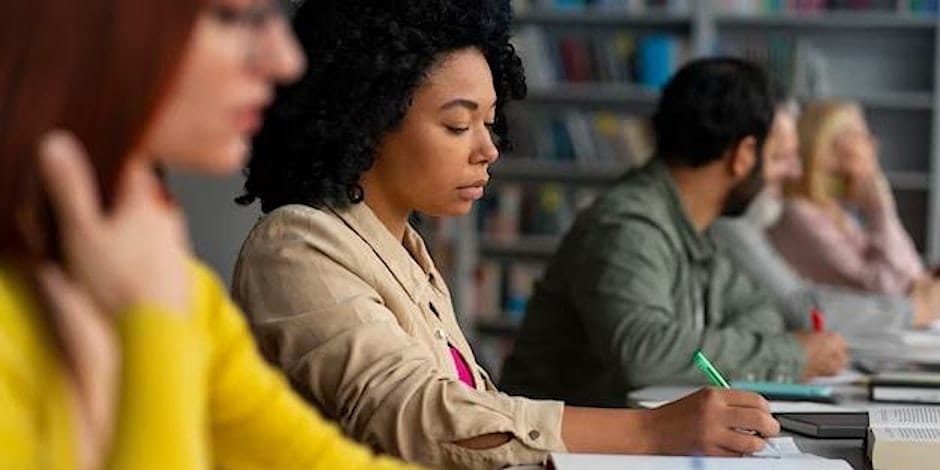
x=361 y=323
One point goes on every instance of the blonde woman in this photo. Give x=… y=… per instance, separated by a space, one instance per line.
x=840 y=224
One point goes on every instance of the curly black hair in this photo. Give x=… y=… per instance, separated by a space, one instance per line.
x=366 y=59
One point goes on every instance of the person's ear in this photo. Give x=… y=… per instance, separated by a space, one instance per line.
x=742 y=158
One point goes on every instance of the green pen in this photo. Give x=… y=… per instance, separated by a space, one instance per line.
x=709 y=370
x=718 y=380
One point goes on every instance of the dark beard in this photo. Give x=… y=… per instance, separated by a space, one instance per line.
x=742 y=195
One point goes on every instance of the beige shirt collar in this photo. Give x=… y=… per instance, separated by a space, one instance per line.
x=408 y=260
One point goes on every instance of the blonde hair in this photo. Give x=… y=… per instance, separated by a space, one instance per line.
x=819 y=124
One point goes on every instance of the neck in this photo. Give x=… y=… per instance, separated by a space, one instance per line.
x=392 y=215
x=701 y=194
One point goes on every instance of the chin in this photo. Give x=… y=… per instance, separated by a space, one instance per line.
x=224 y=161
x=455 y=210
x=461 y=208
x=218 y=158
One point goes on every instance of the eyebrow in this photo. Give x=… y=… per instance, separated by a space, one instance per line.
x=463 y=103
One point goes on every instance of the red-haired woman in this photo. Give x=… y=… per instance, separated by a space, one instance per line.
x=116 y=350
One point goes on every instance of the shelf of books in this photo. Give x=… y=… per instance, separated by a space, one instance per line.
x=829 y=20
x=594 y=70
x=610 y=16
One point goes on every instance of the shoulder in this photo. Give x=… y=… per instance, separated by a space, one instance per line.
x=299 y=258
x=296 y=221
x=297 y=229
x=641 y=192
x=728 y=232
x=611 y=237
x=632 y=215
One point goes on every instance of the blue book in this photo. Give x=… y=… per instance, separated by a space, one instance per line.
x=570 y=5
x=787 y=391
x=657 y=57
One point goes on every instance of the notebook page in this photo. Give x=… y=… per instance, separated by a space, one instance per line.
x=641 y=462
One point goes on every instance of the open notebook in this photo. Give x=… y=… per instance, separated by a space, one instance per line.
x=781 y=453
x=904 y=438
x=640 y=462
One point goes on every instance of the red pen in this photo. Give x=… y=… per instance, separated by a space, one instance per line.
x=818 y=320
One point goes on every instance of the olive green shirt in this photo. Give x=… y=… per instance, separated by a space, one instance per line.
x=632 y=293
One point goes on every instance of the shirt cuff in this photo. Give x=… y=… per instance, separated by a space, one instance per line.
x=538 y=424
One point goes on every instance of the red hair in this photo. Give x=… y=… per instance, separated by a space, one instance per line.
x=97 y=68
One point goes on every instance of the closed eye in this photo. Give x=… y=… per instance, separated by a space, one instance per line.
x=457 y=130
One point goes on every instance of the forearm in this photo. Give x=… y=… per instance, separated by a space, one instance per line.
x=606 y=431
x=851 y=312
x=658 y=354
x=159 y=424
x=410 y=409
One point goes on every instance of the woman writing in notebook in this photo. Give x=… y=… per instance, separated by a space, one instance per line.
x=401 y=111
x=116 y=349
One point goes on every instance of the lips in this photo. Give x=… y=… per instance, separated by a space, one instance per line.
x=472 y=192
x=248 y=117
x=248 y=120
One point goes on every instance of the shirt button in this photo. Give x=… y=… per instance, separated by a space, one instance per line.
x=533 y=434
x=439 y=334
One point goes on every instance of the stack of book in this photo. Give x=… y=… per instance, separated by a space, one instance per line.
x=906 y=387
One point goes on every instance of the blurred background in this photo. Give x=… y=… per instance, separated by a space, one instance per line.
x=594 y=69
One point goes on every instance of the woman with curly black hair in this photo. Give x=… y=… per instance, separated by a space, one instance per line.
x=401 y=111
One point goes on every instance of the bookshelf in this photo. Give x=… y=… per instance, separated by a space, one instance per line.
x=610 y=18
x=828 y=20
x=887 y=58
x=596 y=94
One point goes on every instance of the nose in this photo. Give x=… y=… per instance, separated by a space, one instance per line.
x=486 y=150
x=279 y=57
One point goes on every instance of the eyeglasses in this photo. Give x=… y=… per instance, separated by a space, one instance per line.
x=255 y=17
x=251 y=20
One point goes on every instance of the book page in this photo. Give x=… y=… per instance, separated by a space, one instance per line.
x=778 y=448
x=919 y=416
x=908 y=434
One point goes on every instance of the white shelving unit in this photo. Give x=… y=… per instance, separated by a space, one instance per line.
x=890 y=63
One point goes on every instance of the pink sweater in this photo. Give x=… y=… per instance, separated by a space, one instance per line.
x=879 y=257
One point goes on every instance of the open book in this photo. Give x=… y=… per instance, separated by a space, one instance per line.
x=905 y=438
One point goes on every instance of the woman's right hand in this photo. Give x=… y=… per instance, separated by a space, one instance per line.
x=711 y=422
x=707 y=422
x=858 y=154
x=135 y=253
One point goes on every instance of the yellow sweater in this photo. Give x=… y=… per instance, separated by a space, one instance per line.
x=194 y=394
